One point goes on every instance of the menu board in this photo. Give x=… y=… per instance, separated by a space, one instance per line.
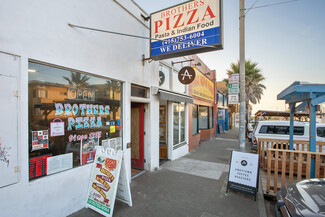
x=105 y=182
x=38 y=166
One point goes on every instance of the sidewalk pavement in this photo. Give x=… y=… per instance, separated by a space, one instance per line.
x=192 y=186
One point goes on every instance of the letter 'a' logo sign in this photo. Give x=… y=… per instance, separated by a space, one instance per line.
x=186 y=75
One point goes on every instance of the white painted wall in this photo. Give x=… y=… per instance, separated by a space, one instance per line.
x=181 y=151
x=38 y=30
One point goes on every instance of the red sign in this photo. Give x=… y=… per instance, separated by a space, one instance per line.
x=38 y=166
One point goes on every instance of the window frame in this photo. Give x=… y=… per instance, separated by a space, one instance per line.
x=175 y=145
x=197 y=119
x=56 y=91
x=274 y=131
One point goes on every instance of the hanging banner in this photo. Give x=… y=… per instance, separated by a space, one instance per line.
x=104 y=182
x=244 y=173
x=190 y=24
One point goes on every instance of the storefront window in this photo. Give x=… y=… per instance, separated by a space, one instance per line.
x=203 y=117
x=195 y=128
x=179 y=123
x=69 y=114
x=176 y=123
x=210 y=117
x=220 y=100
x=182 y=120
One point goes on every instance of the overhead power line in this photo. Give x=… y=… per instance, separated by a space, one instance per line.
x=251 y=7
x=137 y=36
x=269 y=5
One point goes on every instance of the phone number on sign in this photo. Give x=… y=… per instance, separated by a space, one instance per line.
x=183 y=38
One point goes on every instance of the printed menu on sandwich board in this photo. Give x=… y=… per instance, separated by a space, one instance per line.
x=108 y=182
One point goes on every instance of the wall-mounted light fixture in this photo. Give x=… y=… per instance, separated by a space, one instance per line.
x=198 y=64
x=208 y=73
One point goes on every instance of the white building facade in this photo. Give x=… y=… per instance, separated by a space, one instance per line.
x=66 y=90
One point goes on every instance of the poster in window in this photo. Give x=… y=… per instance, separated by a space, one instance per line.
x=40 y=140
x=57 y=127
x=112 y=129
x=87 y=150
x=59 y=163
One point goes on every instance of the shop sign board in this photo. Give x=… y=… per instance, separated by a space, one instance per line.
x=233 y=99
x=233 y=88
x=233 y=78
x=182 y=29
x=244 y=173
x=108 y=177
x=186 y=75
x=203 y=87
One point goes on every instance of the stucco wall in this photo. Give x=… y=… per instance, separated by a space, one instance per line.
x=38 y=30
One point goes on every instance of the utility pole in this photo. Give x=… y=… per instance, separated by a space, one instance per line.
x=242 y=125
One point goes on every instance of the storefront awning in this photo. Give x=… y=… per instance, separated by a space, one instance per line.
x=174 y=97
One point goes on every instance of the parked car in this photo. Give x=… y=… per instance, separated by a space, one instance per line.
x=281 y=130
x=250 y=130
x=306 y=198
x=250 y=135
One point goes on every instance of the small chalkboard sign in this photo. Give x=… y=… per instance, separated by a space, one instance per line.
x=244 y=173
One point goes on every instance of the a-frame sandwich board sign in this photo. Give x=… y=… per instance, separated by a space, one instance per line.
x=108 y=181
x=244 y=173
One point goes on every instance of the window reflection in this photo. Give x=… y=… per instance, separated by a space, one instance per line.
x=85 y=109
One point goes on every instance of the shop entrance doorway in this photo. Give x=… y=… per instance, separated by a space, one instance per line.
x=137 y=137
x=163 y=144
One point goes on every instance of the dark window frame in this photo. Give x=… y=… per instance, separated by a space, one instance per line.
x=318 y=132
x=274 y=129
x=197 y=119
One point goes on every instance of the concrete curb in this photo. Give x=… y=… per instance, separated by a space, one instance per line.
x=261 y=202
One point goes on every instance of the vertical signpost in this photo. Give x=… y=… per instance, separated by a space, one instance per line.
x=242 y=126
x=233 y=88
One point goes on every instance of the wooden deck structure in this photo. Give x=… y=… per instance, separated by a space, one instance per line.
x=281 y=166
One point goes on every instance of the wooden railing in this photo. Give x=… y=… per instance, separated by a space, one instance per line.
x=288 y=166
x=299 y=145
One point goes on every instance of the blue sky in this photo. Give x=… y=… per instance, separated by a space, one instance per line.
x=286 y=40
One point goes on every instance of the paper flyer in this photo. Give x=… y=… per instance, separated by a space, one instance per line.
x=40 y=140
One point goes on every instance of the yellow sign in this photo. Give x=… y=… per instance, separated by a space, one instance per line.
x=203 y=87
x=112 y=129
